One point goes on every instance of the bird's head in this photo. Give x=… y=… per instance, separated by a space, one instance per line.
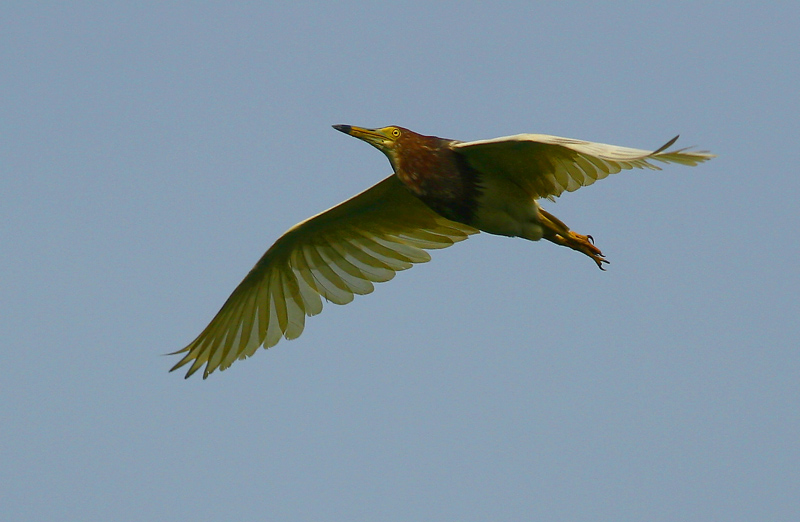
x=389 y=140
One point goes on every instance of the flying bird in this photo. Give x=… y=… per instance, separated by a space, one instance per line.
x=441 y=192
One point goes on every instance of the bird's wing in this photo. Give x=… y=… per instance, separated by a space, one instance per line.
x=335 y=254
x=545 y=166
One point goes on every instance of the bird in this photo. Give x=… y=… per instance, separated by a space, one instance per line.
x=441 y=192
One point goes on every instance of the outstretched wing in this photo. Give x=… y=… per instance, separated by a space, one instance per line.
x=335 y=254
x=545 y=166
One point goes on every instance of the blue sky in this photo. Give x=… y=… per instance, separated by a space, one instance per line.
x=150 y=153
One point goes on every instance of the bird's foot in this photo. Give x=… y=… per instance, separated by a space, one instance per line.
x=581 y=243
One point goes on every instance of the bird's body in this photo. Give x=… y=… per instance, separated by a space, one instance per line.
x=441 y=192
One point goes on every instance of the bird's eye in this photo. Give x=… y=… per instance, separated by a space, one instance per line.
x=395 y=133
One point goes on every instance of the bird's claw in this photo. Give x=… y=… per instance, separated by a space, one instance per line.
x=585 y=244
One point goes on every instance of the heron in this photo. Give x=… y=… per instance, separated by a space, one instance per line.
x=441 y=192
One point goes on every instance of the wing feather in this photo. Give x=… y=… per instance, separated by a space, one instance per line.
x=295 y=314
x=546 y=166
x=590 y=171
x=350 y=275
x=333 y=255
x=377 y=271
x=274 y=332
x=279 y=300
x=381 y=254
x=331 y=285
x=424 y=239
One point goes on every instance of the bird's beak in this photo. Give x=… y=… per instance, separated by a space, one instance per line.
x=372 y=136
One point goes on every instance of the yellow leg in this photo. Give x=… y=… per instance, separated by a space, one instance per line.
x=559 y=233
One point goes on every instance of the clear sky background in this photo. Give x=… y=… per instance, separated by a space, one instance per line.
x=150 y=153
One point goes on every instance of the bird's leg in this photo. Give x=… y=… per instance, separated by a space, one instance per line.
x=559 y=233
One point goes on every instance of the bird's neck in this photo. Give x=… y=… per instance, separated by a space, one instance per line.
x=439 y=177
x=421 y=164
